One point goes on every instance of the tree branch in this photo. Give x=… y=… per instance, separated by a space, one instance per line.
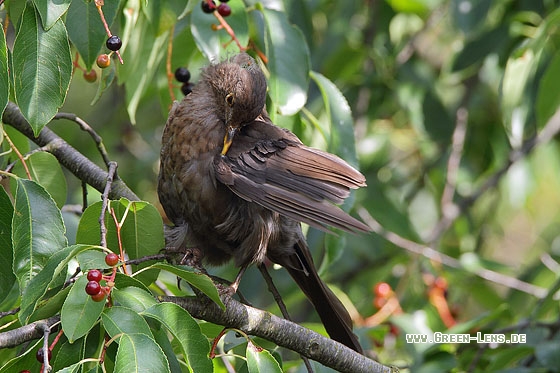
x=83 y=168
x=29 y=332
x=284 y=333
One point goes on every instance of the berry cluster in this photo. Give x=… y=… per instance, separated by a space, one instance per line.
x=114 y=43
x=183 y=75
x=94 y=276
x=208 y=6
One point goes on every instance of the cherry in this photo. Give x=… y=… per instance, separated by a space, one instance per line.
x=90 y=76
x=224 y=10
x=99 y=297
x=103 y=61
x=40 y=355
x=112 y=259
x=114 y=43
x=93 y=288
x=382 y=289
x=186 y=88
x=208 y=7
x=182 y=74
x=94 y=275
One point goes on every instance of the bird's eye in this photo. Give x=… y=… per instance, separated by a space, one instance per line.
x=230 y=99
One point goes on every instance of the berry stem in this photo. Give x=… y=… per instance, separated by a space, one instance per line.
x=98 y=5
x=168 y=63
x=119 y=239
x=229 y=30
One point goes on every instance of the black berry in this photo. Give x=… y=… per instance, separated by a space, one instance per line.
x=208 y=7
x=114 y=43
x=186 y=88
x=94 y=275
x=40 y=355
x=224 y=10
x=224 y=1
x=182 y=74
x=93 y=288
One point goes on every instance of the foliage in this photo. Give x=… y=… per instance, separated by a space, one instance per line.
x=447 y=106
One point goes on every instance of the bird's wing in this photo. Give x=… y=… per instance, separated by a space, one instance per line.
x=270 y=166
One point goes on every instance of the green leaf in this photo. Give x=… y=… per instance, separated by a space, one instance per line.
x=260 y=360
x=42 y=67
x=476 y=50
x=85 y=29
x=38 y=286
x=199 y=280
x=288 y=62
x=7 y=277
x=46 y=171
x=51 y=11
x=548 y=97
x=133 y=297
x=547 y=354
x=216 y=46
x=123 y=320
x=4 y=75
x=185 y=329
x=79 y=312
x=38 y=231
x=143 y=54
x=141 y=233
x=140 y=353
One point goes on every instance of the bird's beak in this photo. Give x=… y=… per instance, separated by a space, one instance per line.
x=228 y=138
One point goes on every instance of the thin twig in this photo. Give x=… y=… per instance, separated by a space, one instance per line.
x=428 y=252
x=105 y=202
x=168 y=64
x=86 y=127
x=18 y=154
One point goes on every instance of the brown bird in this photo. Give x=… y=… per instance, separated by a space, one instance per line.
x=237 y=186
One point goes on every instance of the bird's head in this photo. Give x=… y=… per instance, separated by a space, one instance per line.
x=239 y=88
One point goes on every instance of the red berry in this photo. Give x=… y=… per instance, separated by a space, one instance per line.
x=379 y=302
x=41 y=354
x=94 y=275
x=90 y=76
x=103 y=61
x=382 y=289
x=114 y=43
x=93 y=288
x=99 y=297
x=112 y=259
x=208 y=7
x=224 y=10
x=24 y=371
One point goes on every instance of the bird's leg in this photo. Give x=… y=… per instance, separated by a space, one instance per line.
x=278 y=298
x=235 y=284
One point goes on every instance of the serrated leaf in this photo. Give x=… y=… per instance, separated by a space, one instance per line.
x=123 y=320
x=79 y=312
x=38 y=231
x=140 y=353
x=38 y=286
x=288 y=62
x=199 y=280
x=185 y=329
x=42 y=67
x=7 y=277
x=46 y=171
x=4 y=75
x=51 y=11
x=216 y=46
x=260 y=360
x=85 y=29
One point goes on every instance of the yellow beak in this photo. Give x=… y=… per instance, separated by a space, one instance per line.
x=228 y=138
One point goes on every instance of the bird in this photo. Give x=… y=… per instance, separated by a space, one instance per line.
x=237 y=187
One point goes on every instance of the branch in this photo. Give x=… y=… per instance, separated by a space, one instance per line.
x=280 y=331
x=35 y=330
x=83 y=168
